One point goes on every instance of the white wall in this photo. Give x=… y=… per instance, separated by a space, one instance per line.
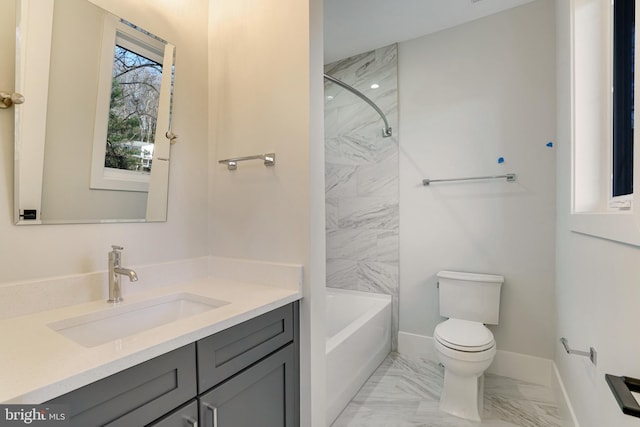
x=266 y=96
x=29 y=252
x=597 y=287
x=259 y=104
x=469 y=95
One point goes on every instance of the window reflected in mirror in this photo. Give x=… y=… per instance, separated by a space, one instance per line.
x=135 y=94
x=128 y=100
x=133 y=111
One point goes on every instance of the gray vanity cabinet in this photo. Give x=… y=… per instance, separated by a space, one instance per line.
x=253 y=369
x=136 y=396
x=263 y=395
x=226 y=353
x=185 y=416
x=244 y=376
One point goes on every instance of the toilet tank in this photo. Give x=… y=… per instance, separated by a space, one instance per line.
x=470 y=296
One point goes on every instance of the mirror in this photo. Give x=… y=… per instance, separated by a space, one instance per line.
x=92 y=140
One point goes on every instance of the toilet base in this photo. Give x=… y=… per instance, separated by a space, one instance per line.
x=463 y=396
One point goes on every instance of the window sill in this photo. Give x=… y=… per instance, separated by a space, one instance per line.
x=621 y=226
x=117 y=179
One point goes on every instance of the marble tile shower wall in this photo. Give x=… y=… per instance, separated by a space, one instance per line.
x=361 y=171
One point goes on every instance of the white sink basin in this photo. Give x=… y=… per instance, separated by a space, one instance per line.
x=122 y=321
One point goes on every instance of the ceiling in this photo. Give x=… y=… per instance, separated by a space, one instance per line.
x=356 y=26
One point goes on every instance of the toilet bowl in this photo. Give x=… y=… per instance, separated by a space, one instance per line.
x=466 y=349
x=464 y=345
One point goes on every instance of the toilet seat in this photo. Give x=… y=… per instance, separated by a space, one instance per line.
x=464 y=335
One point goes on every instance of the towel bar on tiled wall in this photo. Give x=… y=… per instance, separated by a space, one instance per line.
x=591 y=354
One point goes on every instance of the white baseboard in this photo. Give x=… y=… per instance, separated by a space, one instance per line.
x=416 y=345
x=565 y=408
x=536 y=370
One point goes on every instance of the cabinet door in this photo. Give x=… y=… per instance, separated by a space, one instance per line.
x=185 y=416
x=264 y=395
x=135 y=396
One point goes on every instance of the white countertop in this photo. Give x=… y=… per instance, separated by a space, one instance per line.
x=38 y=364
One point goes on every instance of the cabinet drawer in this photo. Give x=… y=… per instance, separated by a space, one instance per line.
x=228 y=352
x=135 y=396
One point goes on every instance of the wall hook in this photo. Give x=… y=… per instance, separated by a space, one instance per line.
x=8 y=99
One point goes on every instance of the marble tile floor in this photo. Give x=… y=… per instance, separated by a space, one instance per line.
x=405 y=392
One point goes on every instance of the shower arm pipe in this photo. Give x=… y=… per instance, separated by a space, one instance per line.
x=386 y=132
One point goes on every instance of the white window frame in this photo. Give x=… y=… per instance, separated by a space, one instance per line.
x=594 y=211
x=117 y=32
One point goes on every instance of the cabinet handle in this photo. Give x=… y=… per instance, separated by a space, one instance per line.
x=214 y=414
x=191 y=422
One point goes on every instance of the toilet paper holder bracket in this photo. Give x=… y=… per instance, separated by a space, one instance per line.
x=591 y=354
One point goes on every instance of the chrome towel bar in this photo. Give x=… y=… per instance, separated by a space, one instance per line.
x=510 y=177
x=232 y=164
x=591 y=354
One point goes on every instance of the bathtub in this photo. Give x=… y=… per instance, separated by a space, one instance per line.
x=358 y=326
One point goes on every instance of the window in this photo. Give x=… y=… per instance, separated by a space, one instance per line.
x=602 y=112
x=133 y=111
x=623 y=86
x=129 y=94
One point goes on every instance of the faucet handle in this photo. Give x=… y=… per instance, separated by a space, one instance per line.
x=116 y=247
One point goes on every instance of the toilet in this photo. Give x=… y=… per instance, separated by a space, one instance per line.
x=463 y=343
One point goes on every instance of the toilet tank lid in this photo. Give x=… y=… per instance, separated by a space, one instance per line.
x=472 y=277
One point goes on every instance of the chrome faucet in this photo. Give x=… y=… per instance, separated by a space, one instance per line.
x=115 y=271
